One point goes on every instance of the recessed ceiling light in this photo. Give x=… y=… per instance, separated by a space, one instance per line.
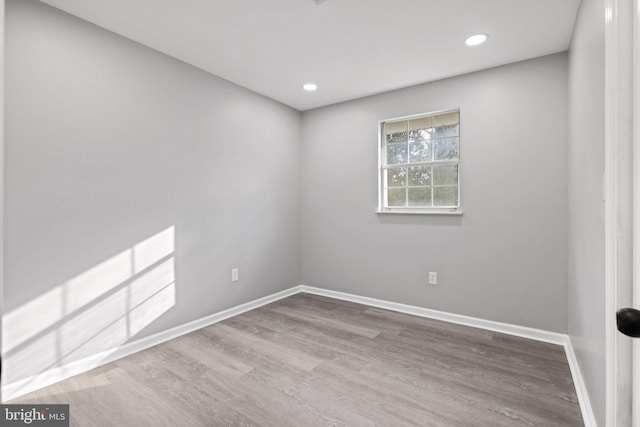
x=310 y=87
x=476 y=39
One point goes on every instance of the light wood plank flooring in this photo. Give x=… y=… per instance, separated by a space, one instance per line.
x=313 y=361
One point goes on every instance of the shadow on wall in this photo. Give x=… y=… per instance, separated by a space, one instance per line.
x=96 y=311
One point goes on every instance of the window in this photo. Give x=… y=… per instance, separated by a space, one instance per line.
x=419 y=163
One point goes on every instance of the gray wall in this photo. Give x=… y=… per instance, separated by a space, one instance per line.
x=586 y=209
x=109 y=143
x=505 y=259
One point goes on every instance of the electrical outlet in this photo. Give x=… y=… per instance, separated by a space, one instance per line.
x=433 y=278
x=234 y=275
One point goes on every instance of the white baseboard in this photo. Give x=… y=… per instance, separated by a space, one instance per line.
x=27 y=385
x=505 y=328
x=581 y=389
x=51 y=376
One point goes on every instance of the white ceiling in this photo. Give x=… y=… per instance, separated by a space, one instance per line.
x=349 y=48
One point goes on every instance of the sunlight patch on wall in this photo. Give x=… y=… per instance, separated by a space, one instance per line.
x=151 y=295
x=93 y=312
x=142 y=315
x=148 y=252
x=31 y=318
x=106 y=318
x=40 y=352
x=88 y=286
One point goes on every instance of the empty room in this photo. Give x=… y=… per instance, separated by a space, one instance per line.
x=320 y=213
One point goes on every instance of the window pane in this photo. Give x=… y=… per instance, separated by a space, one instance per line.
x=453 y=130
x=445 y=175
x=397 y=177
x=420 y=196
x=420 y=151
x=446 y=125
x=448 y=148
x=420 y=175
x=445 y=196
x=397 y=137
x=420 y=135
x=446 y=131
x=397 y=197
x=396 y=153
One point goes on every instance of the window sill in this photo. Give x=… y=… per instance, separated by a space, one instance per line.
x=418 y=212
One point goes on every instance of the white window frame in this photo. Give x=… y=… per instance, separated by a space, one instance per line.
x=421 y=210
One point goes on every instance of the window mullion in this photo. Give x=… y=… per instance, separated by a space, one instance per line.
x=406 y=180
x=431 y=163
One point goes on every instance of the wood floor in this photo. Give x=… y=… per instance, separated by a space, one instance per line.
x=313 y=361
